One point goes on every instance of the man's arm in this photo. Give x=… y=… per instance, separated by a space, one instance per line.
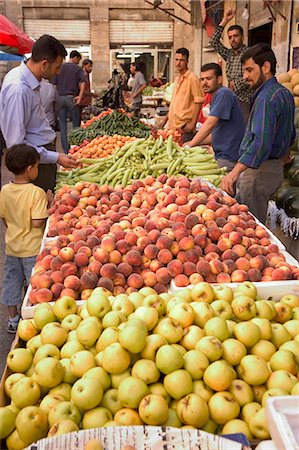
x=141 y=89
x=37 y=223
x=204 y=131
x=81 y=92
x=229 y=181
x=190 y=126
x=215 y=39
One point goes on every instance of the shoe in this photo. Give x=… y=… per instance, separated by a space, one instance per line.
x=12 y=326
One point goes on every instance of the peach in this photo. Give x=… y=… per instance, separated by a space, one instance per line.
x=44 y=281
x=68 y=268
x=212 y=248
x=56 y=289
x=273 y=248
x=201 y=240
x=220 y=221
x=191 y=220
x=125 y=269
x=229 y=266
x=196 y=278
x=181 y=256
x=78 y=244
x=174 y=267
x=69 y=293
x=135 y=280
x=46 y=261
x=149 y=278
x=257 y=262
x=164 y=241
x=242 y=264
x=66 y=254
x=94 y=266
x=88 y=280
x=239 y=249
x=163 y=276
x=108 y=243
x=133 y=257
x=44 y=295
x=255 y=250
x=151 y=251
x=72 y=282
x=81 y=259
x=92 y=241
x=193 y=254
x=108 y=270
x=224 y=244
x=222 y=211
x=105 y=283
x=235 y=237
x=280 y=274
x=164 y=256
x=223 y=277
x=181 y=280
x=100 y=254
x=154 y=265
x=79 y=235
x=214 y=233
x=119 y=280
x=203 y=267
x=86 y=250
x=186 y=243
x=216 y=266
x=154 y=235
x=229 y=227
x=56 y=276
x=238 y=276
x=246 y=241
x=229 y=254
x=254 y=274
x=131 y=238
x=208 y=214
x=189 y=268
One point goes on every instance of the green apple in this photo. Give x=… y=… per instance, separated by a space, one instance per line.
x=280 y=334
x=25 y=392
x=86 y=393
x=211 y=347
x=62 y=411
x=265 y=310
x=111 y=401
x=135 y=321
x=202 y=390
x=71 y=336
x=82 y=311
x=46 y=351
x=49 y=372
x=64 y=306
x=219 y=375
x=230 y=325
x=96 y=418
x=258 y=425
x=258 y=392
x=26 y=329
x=155 y=301
x=174 y=301
x=291 y=300
x=62 y=389
x=43 y=314
x=99 y=374
x=247 y=332
x=241 y=391
x=30 y=371
x=173 y=419
x=185 y=293
x=249 y=410
x=19 y=359
x=89 y=331
x=71 y=322
x=146 y=370
x=236 y=426
x=132 y=338
x=295 y=313
x=284 y=360
x=202 y=292
x=113 y=319
x=7 y=421
x=195 y=363
x=34 y=343
x=116 y=379
x=168 y=359
x=292 y=346
x=10 y=381
x=180 y=348
x=295 y=389
x=274 y=392
x=153 y=409
x=148 y=315
x=53 y=333
x=31 y=424
x=136 y=298
x=68 y=377
x=191 y=336
x=244 y=307
x=49 y=401
x=222 y=308
x=223 y=292
x=116 y=359
x=98 y=305
x=292 y=327
x=127 y=417
x=283 y=312
x=14 y=442
x=152 y=345
x=264 y=326
x=170 y=329
x=210 y=427
x=264 y=349
x=246 y=288
x=223 y=407
x=193 y=410
x=131 y=391
x=81 y=362
x=233 y=351
x=182 y=313
x=63 y=427
x=254 y=370
x=217 y=327
x=202 y=313
x=123 y=305
x=178 y=383
x=70 y=348
x=107 y=337
x=159 y=389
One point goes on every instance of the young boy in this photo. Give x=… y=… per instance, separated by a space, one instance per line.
x=23 y=209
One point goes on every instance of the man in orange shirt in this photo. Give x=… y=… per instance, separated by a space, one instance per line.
x=187 y=97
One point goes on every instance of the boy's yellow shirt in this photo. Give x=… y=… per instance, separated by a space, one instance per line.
x=19 y=204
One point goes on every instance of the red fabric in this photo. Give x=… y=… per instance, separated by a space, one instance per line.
x=13 y=36
x=201 y=118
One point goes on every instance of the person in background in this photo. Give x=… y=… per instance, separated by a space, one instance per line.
x=87 y=94
x=22 y=117
x=70 y=84
x=138 y=86
x=225 y=120
x=155 y=82
x=232 y=56
x=49 y=98
x=187 y=98
x=23 y=209
x=269 y=133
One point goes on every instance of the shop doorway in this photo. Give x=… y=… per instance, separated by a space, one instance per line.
x=260 y=34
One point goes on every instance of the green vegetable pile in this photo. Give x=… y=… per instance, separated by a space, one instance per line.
x=115 y=123
x=145 y=157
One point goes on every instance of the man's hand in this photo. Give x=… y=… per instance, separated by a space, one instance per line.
x=77 y=100
x=187 y=144
x=227 y=16
x=231 y=85
x=228 y=183
x=67 y=161
x=134 y=95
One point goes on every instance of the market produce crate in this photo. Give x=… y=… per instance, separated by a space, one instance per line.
x=282 y=417
x=6 y=372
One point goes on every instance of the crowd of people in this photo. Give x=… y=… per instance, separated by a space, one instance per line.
x=249 y=126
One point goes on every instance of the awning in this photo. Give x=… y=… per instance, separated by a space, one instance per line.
x=10 y=57
x=12 y=36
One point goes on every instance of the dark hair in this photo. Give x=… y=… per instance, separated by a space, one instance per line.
x=19 y=157
x=260 y=53
x=236 y=27
x=136 y=65
x=49 y=48
x=75 y=54
x=86 y=61
x=183 y=51
x=212 y=66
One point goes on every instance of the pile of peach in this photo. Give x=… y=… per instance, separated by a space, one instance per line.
x=148 y=234
x=100 y=147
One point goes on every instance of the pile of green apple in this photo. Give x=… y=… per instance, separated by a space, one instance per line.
x=206 y=357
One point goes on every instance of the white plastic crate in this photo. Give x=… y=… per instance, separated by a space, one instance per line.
x=282 y=415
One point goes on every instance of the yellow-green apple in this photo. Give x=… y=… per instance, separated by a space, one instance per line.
x=131 y=391
x=10 y=381
x=111 y=401
x=292 y=327
x=64 y=306
x=265 y=310
x=244 y=307
x=173 y=419
x=62 y=427
x=182 y=313
x=27 y=329
x=211 y=347
x=81 y=362
x=34 y=343
x=89 y=331
x=280 y=334
x=68 y=376
x=62 y=411
x=146 y=370
x=82 y=311
x=241 y=391
x=170 y=329
x=155 y=301
x=264 y=349
x=127 y=417
x=86 y=393
x=230 y=325
x=202 y=292
x=153 y=409
x=7 y=421
x=132 y=338
x=258 y=425
x=148 y=315
x=222 y=308
x=184 y=293
x=264 y=326
x=113 y=319
x=217 y=327
x=284 y=360
x=136 y=322
x=223 y=407
x=96 y=417
x=43 y=314
x=19 y=359
x=25 y=392
x=71 y=322
x=46 y=351
x=53 y=333
x=49 y=372
x=295 y=313
x=30 y=371
x=152 y=345
x=180 y=348
x=292 y=346
x=168 y=359
x=195 y=363
x=62 y=389
x=283 y=312
x=178 y=383
x=71 y=336
x=295 y=389
x=116 y=379
x=115 y=359
x=233 y=351
x=254 y=370
x=291 y=300
x=191 y=336
x=107 y=337
x=98 y=305
x=273 y=392
x=159 y=389
x=136 y=298
x=31 y=424
x=246 y=288
x=70 y=348
x=223 y=292
x=14 y=442
x=210 y=427
x=202 y=390
x=219 y=375
x=49 y=401
x=202 y=313
x=193 y=410
x=99 y=374
x=247 y=332
x=249 y=410
x=123 y=305
x=237 y=426
x=258 y=392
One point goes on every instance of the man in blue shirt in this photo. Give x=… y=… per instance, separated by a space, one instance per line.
x=225 y=120
x=269 y=133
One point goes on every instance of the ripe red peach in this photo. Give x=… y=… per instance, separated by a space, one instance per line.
x=186 y=243
x=115 y=257
x=94 y=266
x=175 y=248
x=196 y=278
x=154 y=235
x=154 y=265
x=235 y=237
x=193 y=255
x=163 y=276
x=108 y=243
x=149 y=278
x=238 y=276
x=81 y=259
x=133 y=257
x=72 y=282
x=79 y=235
x=224 y=244
x=69 y=293
x=44 y=281
x=242 y=264
x=56 y=276
x=66 y=254
x=164 y=242
x=85 y=249
x=229 y=266
x=68 y=268
x=105 y=283
x=175 y=267
x=254 y=274
x=181 y=256
x=246 y=241
x=191 y=220
x=273 y=248
x=203 y=268
x=223 y=277
x=189 y=268
x=181 y=280
x=125 y=269
x=119 y=279
x=108 y=271
x=201 y=240
x=229 y=254
x=44 y=295
x=164 y=256
x=78 y=244
x=92 y=241
x=239 y=249
x=88 y=280
x=212 y=248
x=46 y=261
x=56 y=289
x=216 y=266
x=100 y=254
x=208 y=214
x=135 y=280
